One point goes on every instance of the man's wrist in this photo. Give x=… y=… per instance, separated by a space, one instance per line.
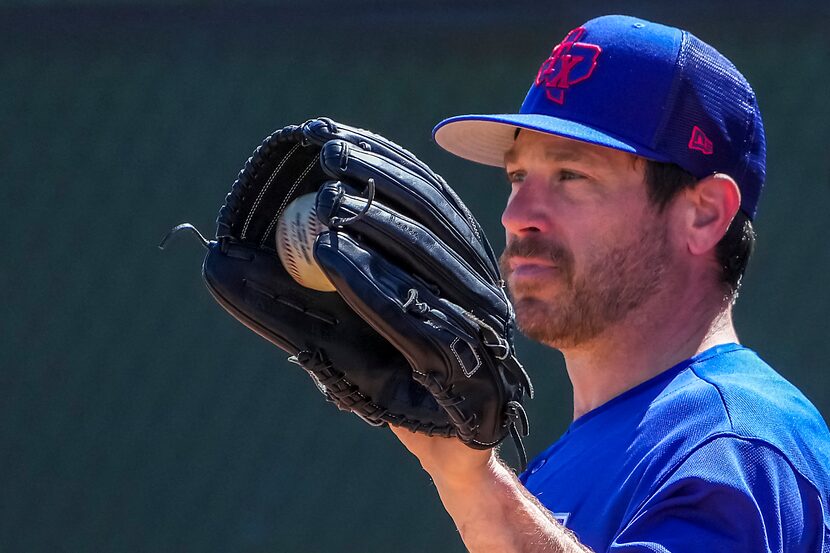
x=481 y=471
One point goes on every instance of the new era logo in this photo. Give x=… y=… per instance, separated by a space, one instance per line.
x=700 y=142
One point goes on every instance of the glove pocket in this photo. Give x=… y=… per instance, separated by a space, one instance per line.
x=252 y=285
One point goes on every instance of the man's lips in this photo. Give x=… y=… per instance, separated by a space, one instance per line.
x=530 y=266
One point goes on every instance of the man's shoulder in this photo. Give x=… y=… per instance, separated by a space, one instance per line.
x=731 y=389
x=732 y=393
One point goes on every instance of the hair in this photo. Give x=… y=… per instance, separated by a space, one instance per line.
x=664 y=181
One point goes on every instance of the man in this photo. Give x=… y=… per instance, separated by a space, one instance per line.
x=636 y=164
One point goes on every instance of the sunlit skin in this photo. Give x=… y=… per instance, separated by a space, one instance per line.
x=585 y=247
x=624 y=290
x=631 y=292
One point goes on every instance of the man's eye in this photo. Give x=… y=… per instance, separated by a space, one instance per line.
x=515 y=177
x=569 y=175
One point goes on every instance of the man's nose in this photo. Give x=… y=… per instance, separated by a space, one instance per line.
x=525 y=211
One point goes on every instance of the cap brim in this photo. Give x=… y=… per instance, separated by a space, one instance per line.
x=486 y=138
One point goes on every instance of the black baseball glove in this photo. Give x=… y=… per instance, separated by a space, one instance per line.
x=419 y=333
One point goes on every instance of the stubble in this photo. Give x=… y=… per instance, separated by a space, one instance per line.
x=613 y=282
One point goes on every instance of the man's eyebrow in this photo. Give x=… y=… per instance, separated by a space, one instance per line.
x=559 y=154
x=553 y=154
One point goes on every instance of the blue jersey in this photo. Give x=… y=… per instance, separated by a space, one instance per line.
x=719 y=453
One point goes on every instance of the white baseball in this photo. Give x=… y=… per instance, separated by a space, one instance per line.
x=297 y=229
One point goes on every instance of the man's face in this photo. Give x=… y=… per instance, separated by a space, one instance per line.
x=585 y=248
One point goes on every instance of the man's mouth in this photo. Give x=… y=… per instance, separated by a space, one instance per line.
x=531 y=261
x=527 y=267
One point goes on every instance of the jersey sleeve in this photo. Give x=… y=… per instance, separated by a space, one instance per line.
x=729 y=495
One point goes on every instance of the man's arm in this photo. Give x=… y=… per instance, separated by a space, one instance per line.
x=491 y=508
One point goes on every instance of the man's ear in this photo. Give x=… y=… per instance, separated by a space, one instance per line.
x=711 y=205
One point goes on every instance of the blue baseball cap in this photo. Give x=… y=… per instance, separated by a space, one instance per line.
x=636 y=86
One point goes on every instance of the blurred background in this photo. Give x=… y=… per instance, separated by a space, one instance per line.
x=135 y=414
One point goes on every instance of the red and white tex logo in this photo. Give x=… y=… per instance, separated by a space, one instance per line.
x=571 y=62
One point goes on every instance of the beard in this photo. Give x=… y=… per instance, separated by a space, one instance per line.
x=616 y=280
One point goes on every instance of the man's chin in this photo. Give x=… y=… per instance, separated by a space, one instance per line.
x=533 y=315
x=539 y=321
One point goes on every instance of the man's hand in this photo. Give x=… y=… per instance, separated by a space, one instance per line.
x=491 y=508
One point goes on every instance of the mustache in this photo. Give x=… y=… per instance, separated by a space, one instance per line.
x=534 y=247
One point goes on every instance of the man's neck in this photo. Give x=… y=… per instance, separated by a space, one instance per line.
x=643 y=346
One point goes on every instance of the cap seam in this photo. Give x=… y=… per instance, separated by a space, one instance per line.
x=668 y=109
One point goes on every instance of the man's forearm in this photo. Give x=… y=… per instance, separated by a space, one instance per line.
x=496 y=513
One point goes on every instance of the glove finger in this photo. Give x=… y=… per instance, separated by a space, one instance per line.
x=415 y=249
x=394 y=303
x=425 y=201
x=439 y=339
x=321 y=130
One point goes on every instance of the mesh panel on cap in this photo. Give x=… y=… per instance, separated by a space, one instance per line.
x=710 y=94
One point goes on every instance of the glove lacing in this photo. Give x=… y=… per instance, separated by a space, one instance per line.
x=347 y=396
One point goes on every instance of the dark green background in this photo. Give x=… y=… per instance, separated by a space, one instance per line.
x=136 y=415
